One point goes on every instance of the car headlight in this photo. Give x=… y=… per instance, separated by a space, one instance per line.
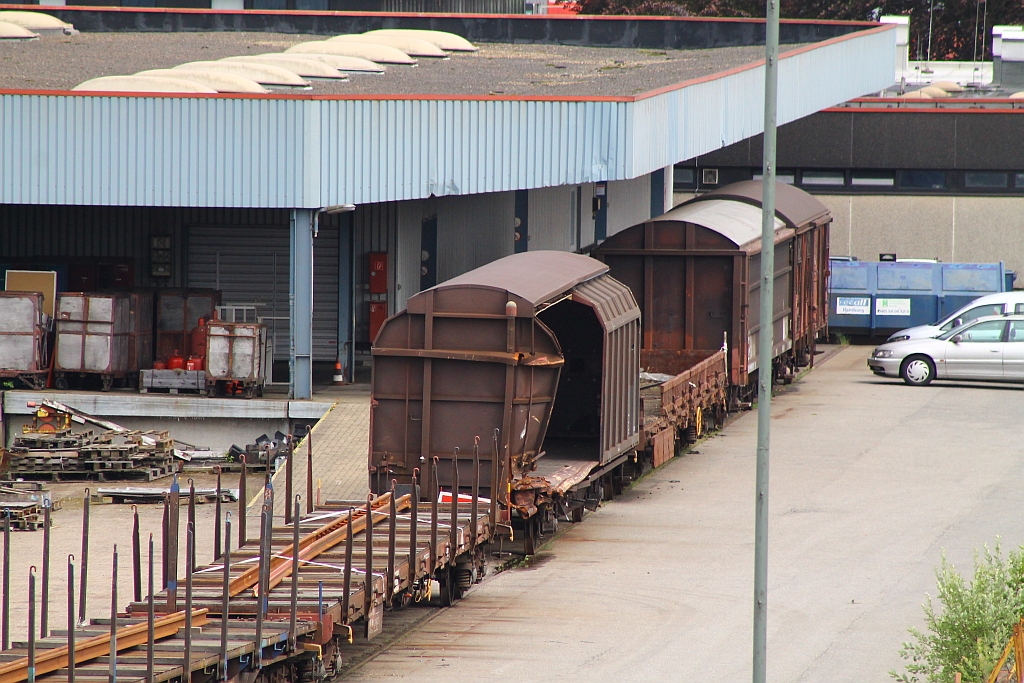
x=883 y=353
x=902 y=337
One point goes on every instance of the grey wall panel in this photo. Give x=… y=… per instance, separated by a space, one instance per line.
x=472 y=231
x=407 y=248
x=552 y=218
x=629 y=203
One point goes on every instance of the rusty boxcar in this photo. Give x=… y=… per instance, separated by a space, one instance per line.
x=534 y=357
x=694 y=272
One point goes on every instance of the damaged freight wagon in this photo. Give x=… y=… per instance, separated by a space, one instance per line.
x=532 y=359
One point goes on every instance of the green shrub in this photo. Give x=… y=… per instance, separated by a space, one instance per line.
x=976 y=619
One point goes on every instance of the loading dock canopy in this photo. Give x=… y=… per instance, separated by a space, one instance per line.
x=796 y=208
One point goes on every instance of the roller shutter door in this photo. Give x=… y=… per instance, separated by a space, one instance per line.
x=250 y=263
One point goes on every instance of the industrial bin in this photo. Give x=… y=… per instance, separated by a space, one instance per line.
x=94 y=336
x=177 y=313
x=878 y=298
x=23 y=338
x=234 y=358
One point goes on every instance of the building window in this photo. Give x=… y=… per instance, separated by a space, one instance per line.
x=869 y=179
x=684 y=177
x=923 y=180
x=985 y=180
x=823 y=178
x=1019 y=180
x=788 y=177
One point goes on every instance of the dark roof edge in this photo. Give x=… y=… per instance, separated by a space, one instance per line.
x=666 y=33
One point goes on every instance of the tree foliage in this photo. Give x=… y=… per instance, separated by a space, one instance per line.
x=968 y=634
x=953 y=34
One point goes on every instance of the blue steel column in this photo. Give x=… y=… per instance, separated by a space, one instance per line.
x=300 y=302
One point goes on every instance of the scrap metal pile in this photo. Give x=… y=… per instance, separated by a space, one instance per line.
x=51 y=449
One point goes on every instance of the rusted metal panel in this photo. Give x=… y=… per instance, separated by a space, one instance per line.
x=94 y=334
x=693 y=270
x=540 y=347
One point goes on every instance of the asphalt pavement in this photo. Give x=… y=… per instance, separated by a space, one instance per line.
x=871 y=482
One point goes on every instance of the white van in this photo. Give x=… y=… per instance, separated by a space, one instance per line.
x=1001 y=303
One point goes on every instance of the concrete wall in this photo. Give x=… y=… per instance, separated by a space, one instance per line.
x=966 y=229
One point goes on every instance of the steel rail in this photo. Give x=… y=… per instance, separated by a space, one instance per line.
x=128 y=637
x=321 y=540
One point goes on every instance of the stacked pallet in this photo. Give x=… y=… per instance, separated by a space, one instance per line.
x=23 y=503
x=55 y=456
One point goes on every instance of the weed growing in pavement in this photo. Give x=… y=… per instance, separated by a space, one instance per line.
x=967 y=634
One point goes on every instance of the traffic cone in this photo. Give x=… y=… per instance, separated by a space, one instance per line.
x=339 y=376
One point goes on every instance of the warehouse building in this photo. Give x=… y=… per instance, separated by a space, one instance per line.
x=329 y=207
x=939 y=176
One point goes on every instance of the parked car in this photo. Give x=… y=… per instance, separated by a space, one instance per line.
x=1000 y=303
x=988 y=348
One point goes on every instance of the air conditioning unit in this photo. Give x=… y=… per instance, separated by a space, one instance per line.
x=709 y=176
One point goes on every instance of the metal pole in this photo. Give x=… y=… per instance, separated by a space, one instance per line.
x=71 y=619
x=190 y=556
x=413 y=527
x=266 y=530
x=288 y=482
x=31 y=625
x=113 y=618
x=389 y=589
x=433 y=517
x=136 y=557
x=309 y=469
x=5 y=636
x=453 y=530
x=150 y=617
x=493 y=512
x=217 y=519
x=241 y=505
x=765 y=341
x=83 y=585
x=474 y=505
x=293 y=620
x=368 y=576
x=164 y=541
x=347 y=580
x=174 y=507
x=44 y=606
x=191 y=517
x=225 y=599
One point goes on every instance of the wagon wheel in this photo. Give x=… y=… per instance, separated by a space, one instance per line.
x=61 y=381
x=108 y=381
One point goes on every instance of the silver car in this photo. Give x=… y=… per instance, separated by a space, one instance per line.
x=989 y=348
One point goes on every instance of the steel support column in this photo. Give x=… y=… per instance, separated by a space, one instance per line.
x=300 y=303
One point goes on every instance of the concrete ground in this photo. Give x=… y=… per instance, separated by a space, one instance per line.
x=872 y=481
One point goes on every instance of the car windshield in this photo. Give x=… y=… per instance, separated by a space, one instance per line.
x=966 y=316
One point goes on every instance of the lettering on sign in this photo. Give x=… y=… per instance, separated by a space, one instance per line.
x=892 y=306
x=853 y=305
x=375 y=621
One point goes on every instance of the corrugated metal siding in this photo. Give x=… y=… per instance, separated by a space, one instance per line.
x=411 y=215
x=250 y=264
x=473 y=231
x=181 y=151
